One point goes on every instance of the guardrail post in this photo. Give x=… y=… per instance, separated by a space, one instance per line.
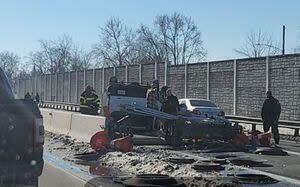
x=296 y=133
x=267 y=73
x=234 y=86
x=140 y=73
x=207 y=81
x=185 y=80
x=253 y=127
x=114 y=70
x=126 y=73
x=166 y=73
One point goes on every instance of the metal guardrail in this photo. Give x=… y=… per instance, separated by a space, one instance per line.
x=295 y=125
x=60 y=105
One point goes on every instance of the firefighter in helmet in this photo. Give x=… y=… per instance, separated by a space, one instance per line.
x=89 y=101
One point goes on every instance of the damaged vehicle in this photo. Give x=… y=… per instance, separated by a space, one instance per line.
x=126 y=113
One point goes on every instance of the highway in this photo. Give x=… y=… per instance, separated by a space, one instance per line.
x=60 y=173
x=55 y=176
x=57 y=173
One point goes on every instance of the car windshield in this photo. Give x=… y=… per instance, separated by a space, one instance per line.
x=202 y=103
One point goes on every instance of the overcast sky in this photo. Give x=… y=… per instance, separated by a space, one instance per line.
x=224 y=24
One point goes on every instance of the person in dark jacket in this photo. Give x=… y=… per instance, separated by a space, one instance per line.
x=171 y=104
x=37 y=97
x=27 y=96
x=89 y=101
x=153 y=96
x=270 y=114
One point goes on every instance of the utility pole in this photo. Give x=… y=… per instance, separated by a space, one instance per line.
x=283 y=39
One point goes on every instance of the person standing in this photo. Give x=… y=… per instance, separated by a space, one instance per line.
x=153 y=96
x=37 y=97
x=171 y=104
x=27 y=96
x=153 y=103
x=270 y=114
x=89 y=101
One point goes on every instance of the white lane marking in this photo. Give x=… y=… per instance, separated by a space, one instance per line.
x=66 y=171
x=70 y=169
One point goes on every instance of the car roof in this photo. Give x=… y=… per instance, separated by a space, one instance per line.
x=195 y=99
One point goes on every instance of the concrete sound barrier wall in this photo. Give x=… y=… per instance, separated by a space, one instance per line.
x=79 y=126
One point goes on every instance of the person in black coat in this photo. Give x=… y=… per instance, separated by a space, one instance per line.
x=171 y=104
x=37 y=97
x=270 y=114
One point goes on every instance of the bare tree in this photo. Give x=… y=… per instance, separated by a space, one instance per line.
x=150 y=48
x=59 y=56
x=174 y=38
x=116 y=44
x=258 y=44
x=9 y=62
x=80 y=59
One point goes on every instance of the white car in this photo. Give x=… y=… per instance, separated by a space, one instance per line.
x=202 y=107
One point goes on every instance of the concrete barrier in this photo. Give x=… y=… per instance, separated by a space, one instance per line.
x=79 y=126
x=61 y=121
x=83 y=127
x=47 y=118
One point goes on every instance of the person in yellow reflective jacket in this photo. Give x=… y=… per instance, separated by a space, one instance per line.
x=89 y=101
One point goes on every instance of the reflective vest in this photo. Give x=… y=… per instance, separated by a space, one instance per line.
x=89 y=100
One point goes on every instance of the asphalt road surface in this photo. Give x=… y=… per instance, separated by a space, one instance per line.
x=57 y=172
x=54 y=176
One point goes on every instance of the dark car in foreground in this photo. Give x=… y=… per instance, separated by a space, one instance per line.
x=21 y=138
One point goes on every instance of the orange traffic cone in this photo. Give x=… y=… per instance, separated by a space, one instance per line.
x=240 y=140
x=100 y=141
x=265 y=139
x=123 y=144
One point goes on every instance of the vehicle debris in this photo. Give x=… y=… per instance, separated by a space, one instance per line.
x=153 y=180
x=207 y=167
x=247 y=162
x=255 y=179
x=180 y=160
x=271 y=151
